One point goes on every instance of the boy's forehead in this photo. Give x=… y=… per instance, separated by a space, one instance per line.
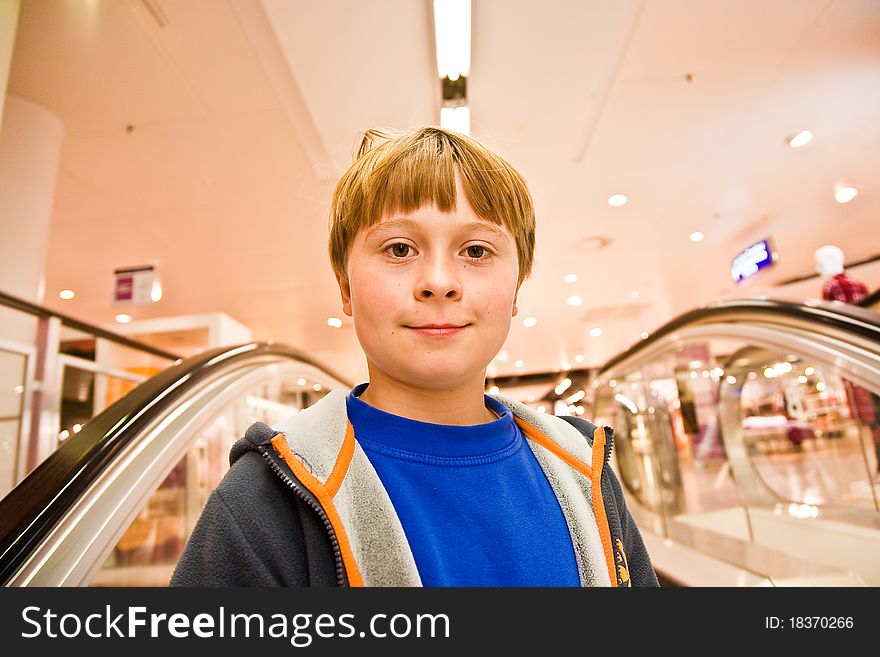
x=415 y=221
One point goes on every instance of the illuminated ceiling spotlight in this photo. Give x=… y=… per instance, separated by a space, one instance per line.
x=335 y=322
x=452 y=40
x=617 y=200
x=596 y=331
x=800 y=139
x=574 y=301
x=845 y=194
x=67 y=294
x=697 y=236
x=123 y=318
x=529 y=322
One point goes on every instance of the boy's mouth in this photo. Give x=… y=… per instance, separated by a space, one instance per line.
x=438 y=330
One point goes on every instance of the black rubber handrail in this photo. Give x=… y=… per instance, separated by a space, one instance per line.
x=871 y=300
x=38 y=311
x=30 y=511
x=843 y=317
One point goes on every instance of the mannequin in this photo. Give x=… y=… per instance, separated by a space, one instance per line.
x=840 y=286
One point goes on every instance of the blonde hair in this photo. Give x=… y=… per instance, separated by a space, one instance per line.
x=401 y=172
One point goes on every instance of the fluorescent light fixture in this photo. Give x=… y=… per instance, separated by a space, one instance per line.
x=617 y=200
x=452 y=37
x=457 y=119
x=67 y=294
x=845 y=194
x=697 y=236
x=800 y=139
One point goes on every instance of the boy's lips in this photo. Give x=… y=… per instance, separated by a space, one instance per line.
x=438 y=330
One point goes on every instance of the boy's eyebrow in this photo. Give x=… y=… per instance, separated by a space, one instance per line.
x=401 y=222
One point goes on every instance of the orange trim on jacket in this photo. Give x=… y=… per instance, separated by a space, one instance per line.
x=599 y=503
x=325 y=496
x=534 y=434
x=594 y=474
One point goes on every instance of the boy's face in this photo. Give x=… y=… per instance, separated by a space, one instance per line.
x=422 y=269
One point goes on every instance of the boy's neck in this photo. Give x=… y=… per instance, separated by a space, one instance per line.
x=462 y=406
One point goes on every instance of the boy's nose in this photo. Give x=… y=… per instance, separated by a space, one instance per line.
x=438 y=279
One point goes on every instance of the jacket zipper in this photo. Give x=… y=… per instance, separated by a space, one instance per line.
x=337 y=553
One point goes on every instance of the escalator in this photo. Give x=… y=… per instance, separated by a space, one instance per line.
x=740 y=467
x=114 y=504
x=747 y=441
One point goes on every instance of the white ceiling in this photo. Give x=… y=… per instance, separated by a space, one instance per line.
x=244 y=112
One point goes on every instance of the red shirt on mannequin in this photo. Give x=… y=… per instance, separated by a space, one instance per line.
x=845 y=288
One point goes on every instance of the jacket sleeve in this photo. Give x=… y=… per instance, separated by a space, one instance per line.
x=249 y=534
x=641 y=571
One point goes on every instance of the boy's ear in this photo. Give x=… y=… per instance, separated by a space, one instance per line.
x=515 y=295
x=345 y=291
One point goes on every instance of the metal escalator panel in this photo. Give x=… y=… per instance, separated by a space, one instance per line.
x=118 y=502
x=752 y=435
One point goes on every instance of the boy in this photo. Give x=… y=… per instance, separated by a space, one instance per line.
x=418 y=477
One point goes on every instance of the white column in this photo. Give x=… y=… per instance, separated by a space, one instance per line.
x=30 y=151
x=8 y=23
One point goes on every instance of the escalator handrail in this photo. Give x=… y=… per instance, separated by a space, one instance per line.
x=30 y=511
x=871 y=300
x=842 y=317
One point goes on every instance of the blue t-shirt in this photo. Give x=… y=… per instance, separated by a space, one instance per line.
x=474 y=503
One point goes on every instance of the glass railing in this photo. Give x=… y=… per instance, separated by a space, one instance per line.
x=56 y=373
x=749 y=430
x=115 y=504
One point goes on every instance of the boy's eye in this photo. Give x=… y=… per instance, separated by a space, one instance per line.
x=476 y=251
x=400 y=250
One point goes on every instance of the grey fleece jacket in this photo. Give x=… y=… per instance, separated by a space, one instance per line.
x=303 y=506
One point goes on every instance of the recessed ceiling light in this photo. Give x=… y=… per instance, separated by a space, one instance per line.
x=529 y=322
x=67 y=294
x=123 y=318
x=574 y=301
x=518 y=363
x=595 y=332
x=570 y=278
x=634 y=294
x=335 y=322
x=697 y=236
x=800 y=139
x=579 y=358
x=617 y=200
x=301 y=381
x=845 y=194
x=566 y=366
x=644 y=335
